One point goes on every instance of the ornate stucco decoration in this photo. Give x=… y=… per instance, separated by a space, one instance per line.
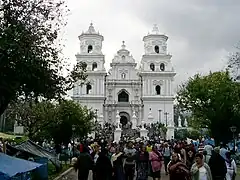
x=125 y=71
x=158 y=82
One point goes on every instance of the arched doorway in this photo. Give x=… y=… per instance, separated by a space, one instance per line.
x=124 y=119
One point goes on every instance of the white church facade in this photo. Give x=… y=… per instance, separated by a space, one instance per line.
x=144 y=93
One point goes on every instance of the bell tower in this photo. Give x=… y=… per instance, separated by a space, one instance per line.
x=91 y=93
x=157 y=76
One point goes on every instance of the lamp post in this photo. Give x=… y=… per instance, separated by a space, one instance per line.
x=159 y=111
x=233 y=130
x=73 y=130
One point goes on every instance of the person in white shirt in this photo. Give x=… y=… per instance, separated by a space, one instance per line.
x=208 y=149
x=231 y=167
x=200 y=170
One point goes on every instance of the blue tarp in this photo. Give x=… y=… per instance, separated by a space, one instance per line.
x=11 y=166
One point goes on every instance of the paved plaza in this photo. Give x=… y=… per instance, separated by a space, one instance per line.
x=73 y=176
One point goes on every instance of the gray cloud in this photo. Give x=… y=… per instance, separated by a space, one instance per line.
x=201 y=32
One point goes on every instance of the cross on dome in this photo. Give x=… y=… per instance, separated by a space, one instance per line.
x=155 y=29
x=123 y=45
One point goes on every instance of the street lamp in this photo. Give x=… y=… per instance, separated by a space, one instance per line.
x=233 y=130
x=73 y=130
x=159 y=115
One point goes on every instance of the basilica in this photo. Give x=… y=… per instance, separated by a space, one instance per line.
x=144 y=94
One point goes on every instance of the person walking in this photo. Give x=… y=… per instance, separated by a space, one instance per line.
x=84 y=164
x=177 y=169
x=103 y=167
x=155 y=159
x=142 y=161
x=217 y=165
x=200 y=170
x=231 y=167
x=166 y=156
x=129 y=165
x=117 y=163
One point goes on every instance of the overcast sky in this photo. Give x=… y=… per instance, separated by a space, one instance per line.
x=201 y=32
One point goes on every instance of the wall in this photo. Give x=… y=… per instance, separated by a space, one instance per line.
x=165 y=106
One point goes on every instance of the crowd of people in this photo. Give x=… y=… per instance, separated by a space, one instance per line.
x=99 y=160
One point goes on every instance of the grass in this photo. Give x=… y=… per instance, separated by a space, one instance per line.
x=52 y=174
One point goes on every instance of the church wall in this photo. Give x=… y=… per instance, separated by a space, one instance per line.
x=93 y=104
x=165 y=106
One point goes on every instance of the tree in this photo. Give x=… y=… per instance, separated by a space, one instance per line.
x=31 y=62
x=214 y=102
x=234 y=63
x=46 y=120
x=183 y=134
x=35 y=117
x=71 y=115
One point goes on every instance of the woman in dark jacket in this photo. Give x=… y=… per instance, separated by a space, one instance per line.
x=103 y=167
x=142 y=162
x=84 y=164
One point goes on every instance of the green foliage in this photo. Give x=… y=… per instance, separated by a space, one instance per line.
x=213 y=101
x=183 y=134
x=45 y=120
x=31 y=62
x=33 y=116
x=75 y=121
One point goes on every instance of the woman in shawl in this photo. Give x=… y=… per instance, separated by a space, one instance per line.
x=117 y=163
x=155 y=159
x=177 y=169
x=84 y=164
x=142 y=161
x=103 y=166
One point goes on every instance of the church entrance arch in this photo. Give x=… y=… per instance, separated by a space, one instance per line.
x=124 y=118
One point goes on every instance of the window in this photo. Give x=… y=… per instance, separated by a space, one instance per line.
x=152 y=67
x=123 y=57
x=158 y=90
x=123 y=75
x=156 y=48
x=162 y=66
x=89 y=89
x=123 y=97
x=90 y=48
x=94 y=66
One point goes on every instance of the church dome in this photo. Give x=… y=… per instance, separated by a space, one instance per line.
x=123 y=55
x=123 y=51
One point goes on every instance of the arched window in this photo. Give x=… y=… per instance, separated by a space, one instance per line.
x=90 y=48
x=162 y=67
x=123 y=57
x=89 y=89
x=152 y=67
x=123 y=97
x=158 y=90
x=94 y=66
x=156 y=49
